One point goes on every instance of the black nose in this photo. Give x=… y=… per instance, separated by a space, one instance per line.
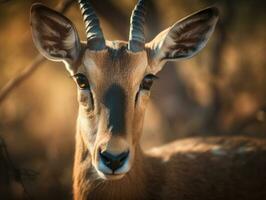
x=113 y=162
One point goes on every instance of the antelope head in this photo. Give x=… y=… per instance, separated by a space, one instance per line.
x=114 y=78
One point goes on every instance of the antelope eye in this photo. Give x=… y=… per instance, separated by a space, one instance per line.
x=147 y=82
x=82 y=81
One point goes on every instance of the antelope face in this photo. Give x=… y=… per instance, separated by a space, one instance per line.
x=114 y=78
x=113 y=89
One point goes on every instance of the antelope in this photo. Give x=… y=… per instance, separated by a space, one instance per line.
x=113 y=80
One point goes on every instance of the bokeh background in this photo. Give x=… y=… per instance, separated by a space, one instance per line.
x=221 y=91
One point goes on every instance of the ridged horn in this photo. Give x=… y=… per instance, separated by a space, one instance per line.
x=95 y=38
x=136 y=33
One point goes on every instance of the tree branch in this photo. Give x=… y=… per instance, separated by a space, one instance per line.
x=37 y=61
x=15 y=82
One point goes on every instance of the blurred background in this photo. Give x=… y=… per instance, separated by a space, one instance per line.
x=221 y=91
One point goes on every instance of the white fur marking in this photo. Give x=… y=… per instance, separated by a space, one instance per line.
x=218 y=151
x=89 y=64
x=244 y=149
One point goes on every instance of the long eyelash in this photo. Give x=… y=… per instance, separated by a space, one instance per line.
x=154 y=77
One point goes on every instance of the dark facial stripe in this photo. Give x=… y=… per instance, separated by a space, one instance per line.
x=115 y=101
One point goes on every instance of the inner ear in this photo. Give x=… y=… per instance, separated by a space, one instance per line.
x=54 y=35
x=184 y=39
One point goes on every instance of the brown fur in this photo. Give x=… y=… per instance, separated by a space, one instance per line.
x=197 y=168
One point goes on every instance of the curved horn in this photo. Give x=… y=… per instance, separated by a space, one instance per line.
x=95 y=38
x=136 y=34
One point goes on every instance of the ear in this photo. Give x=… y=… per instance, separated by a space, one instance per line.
x=54 y=35
x=184 y=39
